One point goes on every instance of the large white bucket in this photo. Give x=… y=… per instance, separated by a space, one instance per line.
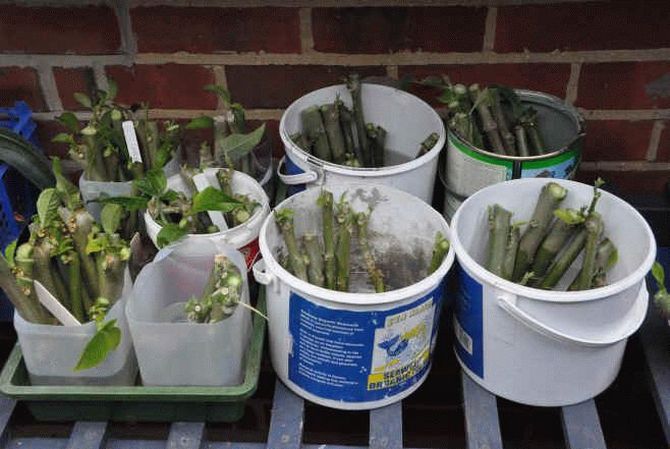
x=356 y=351
x=243 y=237
x=408 y=120
x=540 y=347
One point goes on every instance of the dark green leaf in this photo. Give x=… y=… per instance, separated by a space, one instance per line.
x=659 y=275
x=105 y=340
x=68 y=191
x=201 y=122
x=112 y=89
x=83 y=100
x=110 y=217
x=154 y=183
x=70 y=121
x=169 y=233
x=236 y=146
x=47 y=206
x=213 y=199
x=129 y=203
x=432 y=81
x=220 y=91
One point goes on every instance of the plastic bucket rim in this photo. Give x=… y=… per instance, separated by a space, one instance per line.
x=256 y=216
x=593 y=294
x=364 y=171
x=357 y=299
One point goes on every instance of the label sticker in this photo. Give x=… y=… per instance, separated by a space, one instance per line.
x=250 y=251
x=468 y=323
x=131 y=141
x=358 y=356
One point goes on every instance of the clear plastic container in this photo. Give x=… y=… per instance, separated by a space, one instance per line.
x=170 y=350
x=51 y=352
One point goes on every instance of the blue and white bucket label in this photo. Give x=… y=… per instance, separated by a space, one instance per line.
x=361 y=356
x=468 y=323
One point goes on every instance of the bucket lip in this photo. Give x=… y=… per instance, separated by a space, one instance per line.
x=357 y=299
x=365 y=171
x=533 y=96
x=256 y=216
x=551 y=295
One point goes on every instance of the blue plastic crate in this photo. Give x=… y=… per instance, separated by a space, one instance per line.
x=17 y=196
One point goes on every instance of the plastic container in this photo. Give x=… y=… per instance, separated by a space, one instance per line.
x=92 y=190
x=52 y=352
x=469 y=168
x=200 y=354
x=243 y=237
x=540 y=347
x=136 y=403
x=357 y=351
x=408 y=121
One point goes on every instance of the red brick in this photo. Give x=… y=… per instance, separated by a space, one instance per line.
x=632 y=182
x=382 y=30
x=625 y=85
x=73 y=80
x=82 y=30
x=617 y=140
x=549 y=78
x=583 y=26
x=278 y=86
x=209 y=30
x=663 y=154
x=167 y=86
x=20 y=84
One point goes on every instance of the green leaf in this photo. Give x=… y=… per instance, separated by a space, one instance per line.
x=613 y=259
x=659 y=275
x=129 y=203
x=220 y=91
x=201 y=122
x=110 y=217
x=47 y=206
x=68 y=191
x=10 y=252
x=70 y=121
x=569 y=216
x=105 y=340
x=213 y=199
x=63 y=138
x=154 y=183
x=236 y=146
x=169 y=233
x=96 y=244
x=112 y=89
x=83 y=100
x=432 y=81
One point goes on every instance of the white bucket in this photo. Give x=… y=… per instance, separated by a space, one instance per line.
x=540 y=347
x=170 y=350
x=408 y=120
x=243 y=237
x=328 y=346
x=92 y=190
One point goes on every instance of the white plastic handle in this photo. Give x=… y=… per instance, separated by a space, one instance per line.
x=635 y=317
x=261 y=275
x=291 y=180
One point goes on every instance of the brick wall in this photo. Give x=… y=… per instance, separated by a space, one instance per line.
x=612 y=60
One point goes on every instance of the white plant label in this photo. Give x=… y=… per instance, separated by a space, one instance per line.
x=131 y=141
x=201 y=183
x=54 y=306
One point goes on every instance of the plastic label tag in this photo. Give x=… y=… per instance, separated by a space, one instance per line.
x=468 y=323
x=201 y=183
x=131 y=141
x=361 y=356
x=54 y=306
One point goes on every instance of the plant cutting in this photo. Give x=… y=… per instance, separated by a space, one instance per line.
x=234 y=145
x=336 y=133
x=661 y=297
x=551 y=241
x=343 y=247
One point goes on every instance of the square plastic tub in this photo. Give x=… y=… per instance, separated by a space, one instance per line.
x=137 y=403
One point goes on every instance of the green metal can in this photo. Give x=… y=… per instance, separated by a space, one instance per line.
x=469 y=168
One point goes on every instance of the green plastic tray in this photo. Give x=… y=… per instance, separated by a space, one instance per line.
x=137 y=403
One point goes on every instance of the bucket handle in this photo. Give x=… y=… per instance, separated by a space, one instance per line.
x=291 y=180
x=261 y=275
x=636 y=316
